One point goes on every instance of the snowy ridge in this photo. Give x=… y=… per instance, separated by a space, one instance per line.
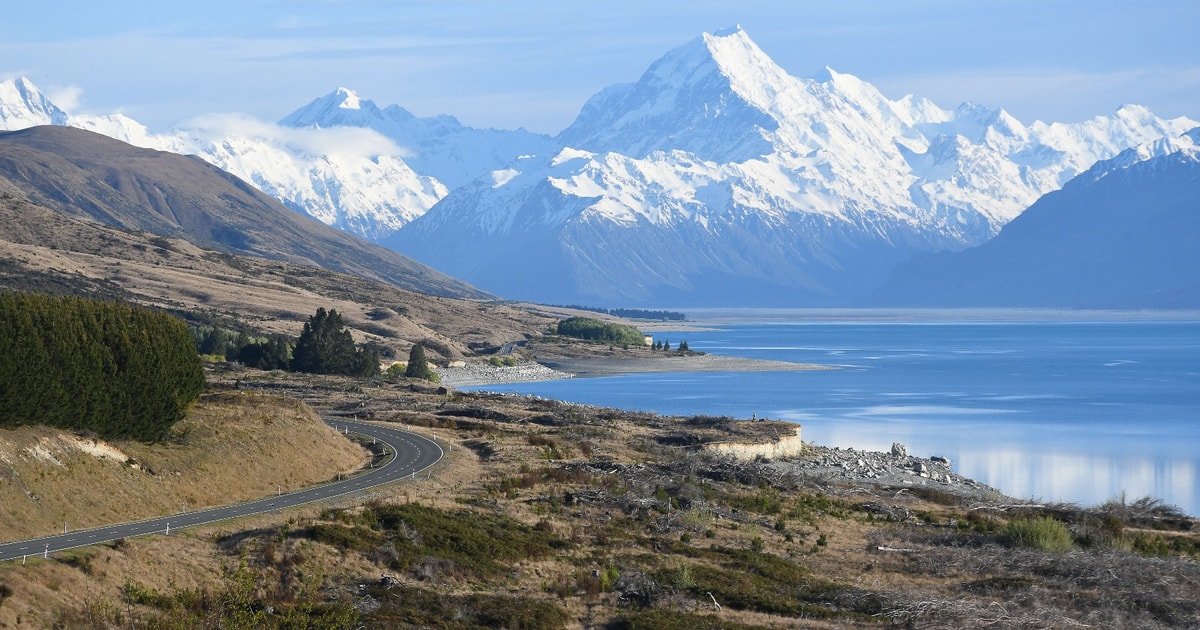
x=1186 y=145
x=23 y=105
x=1121 y=235
x=350 y=178
x=716 y=150
x=439 y=146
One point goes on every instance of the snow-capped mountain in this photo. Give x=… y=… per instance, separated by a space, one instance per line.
x=438 y=146
x=350 y=178
x=718 y=178
x=1122 y=234
x=23 y=105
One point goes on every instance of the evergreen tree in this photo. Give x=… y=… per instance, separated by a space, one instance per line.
x=325 y=346
x=683 y=346
x=418 y=365
x=116 y=370
x=666 y=344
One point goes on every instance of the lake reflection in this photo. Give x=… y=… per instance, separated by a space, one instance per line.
x=1066 y=411
x=1025 y=471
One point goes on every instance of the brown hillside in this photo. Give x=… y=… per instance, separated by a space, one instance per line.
x=46 y=251
x=85 y=174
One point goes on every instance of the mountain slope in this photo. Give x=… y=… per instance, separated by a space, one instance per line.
x=23 y=105
x=719 y=179
x=87 y=174
x=45 y=251
x=353 y=179
x=1121 y=235
x=439 y=146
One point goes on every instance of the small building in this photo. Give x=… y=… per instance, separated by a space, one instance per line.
x=648 y=339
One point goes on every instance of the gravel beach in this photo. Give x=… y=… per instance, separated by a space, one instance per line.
x=485 y=374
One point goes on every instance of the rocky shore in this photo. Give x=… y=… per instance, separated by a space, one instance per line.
x=895 y=469
x=474 y=374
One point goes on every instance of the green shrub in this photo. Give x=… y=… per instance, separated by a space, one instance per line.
x=83 y=365
x=1039 y=532
x=474 y=542
x=596 y=330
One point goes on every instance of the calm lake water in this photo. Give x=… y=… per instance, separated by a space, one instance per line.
x=1078 y=411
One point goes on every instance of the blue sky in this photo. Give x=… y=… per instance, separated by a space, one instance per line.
x=533 y=63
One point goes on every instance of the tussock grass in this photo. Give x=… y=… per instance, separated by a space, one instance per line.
x=1039 y=532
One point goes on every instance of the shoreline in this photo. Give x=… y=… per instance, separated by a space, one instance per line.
x=478 y=375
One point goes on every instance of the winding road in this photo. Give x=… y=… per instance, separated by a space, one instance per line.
x=410 y=455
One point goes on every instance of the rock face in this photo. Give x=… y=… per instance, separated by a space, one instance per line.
x=788 y=446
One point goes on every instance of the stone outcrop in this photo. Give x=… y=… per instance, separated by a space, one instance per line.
x=785 y=446
x=888 y=469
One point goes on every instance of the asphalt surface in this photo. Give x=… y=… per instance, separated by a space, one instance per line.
x=410 y=455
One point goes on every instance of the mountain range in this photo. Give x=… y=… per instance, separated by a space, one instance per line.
x=715 y=179
x=1121 y=235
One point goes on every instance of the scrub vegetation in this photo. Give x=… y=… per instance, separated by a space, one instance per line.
x=551 y=515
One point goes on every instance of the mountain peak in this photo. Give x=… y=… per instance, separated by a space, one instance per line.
x=331 y=109
x=728 y=31
x=23 y=105
x=349 y=98
x=705 y=97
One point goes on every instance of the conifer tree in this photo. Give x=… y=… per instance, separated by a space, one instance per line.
x=325 y=346
x=418 y=365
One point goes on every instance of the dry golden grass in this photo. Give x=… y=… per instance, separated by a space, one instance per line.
x=232 y=446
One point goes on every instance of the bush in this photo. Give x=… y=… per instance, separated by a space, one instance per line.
x=596 y=330
x=83 y=365
x=1039 y=532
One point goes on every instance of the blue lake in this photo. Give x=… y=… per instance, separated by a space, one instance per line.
x=1077 y=411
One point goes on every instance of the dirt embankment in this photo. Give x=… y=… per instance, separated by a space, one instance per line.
x=233 y=446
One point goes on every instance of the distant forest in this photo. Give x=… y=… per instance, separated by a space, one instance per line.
x=629 y=313
x=103 y=368
x=596 y=330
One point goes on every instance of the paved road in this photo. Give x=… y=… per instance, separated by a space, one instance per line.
x=410 y=454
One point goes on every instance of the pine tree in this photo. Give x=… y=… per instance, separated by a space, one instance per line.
x=325 y=346
x=418 y=365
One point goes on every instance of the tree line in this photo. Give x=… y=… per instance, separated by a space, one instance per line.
x=630 y=313
x=325 y=346
x=596 y=330
x=106 y=368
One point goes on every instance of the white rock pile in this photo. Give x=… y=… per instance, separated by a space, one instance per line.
x=487 y=374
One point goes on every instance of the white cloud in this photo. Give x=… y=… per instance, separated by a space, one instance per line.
x=67 y=98
x=328 y=141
